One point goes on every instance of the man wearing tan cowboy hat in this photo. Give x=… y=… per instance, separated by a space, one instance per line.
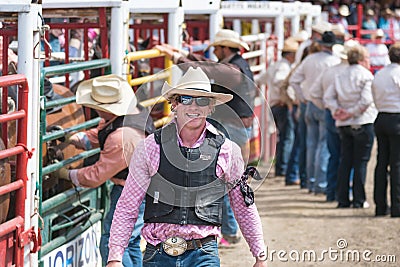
x=122 y=126
x=232 y=76
x=281 y=106
x=183 y=171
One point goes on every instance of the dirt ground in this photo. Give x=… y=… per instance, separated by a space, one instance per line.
x=297 y=224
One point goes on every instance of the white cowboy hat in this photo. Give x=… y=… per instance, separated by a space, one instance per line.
x=344 y=10
x=108 y=93
x=301 y=36
x=322 y=26
x=194 y=83
x=341 y=50
x=228 y=38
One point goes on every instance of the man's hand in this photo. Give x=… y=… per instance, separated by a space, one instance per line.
x=114 y=264
x=62 y=173
x=166 y=50
x=260 y=263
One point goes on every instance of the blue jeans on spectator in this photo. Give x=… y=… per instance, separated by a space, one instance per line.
x=333 y=140
x=355 y=152
x=132 y=255
x=229 y=225
x=206 y=256
x=293 y=171
x=285 y=125
x=317 y=149
x=302 y=132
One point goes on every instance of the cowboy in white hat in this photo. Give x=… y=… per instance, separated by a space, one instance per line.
x=181 y=173
x=232 y=76
x=122 y=127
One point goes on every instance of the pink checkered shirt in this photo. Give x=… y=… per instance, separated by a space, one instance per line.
x=143 y=166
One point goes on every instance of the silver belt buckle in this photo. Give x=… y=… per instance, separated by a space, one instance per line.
x=175 y=246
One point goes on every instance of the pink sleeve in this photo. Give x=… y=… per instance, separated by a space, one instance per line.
x=143 y=166
x=249 y=221
x=247 y=217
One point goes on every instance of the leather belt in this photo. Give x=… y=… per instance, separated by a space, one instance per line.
x=176 y=246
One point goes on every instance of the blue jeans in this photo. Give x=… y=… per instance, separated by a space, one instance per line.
x=229 y=224
x=293 y=171
x=284 y=123
x=356 y=145
x=317 y=148
x=333 y=140
x=206 y=256
x=302 y=133
x=132 y=255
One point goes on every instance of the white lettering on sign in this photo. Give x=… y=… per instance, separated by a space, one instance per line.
x=83 y=251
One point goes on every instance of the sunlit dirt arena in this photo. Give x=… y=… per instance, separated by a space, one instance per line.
x=302 y=229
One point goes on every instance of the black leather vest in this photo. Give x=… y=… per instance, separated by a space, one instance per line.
x=243 y=95
x=185 y=189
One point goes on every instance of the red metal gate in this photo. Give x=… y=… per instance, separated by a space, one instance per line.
x=13 y=236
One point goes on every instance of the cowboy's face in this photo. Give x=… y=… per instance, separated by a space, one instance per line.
x=191 y=112
x=219 y=52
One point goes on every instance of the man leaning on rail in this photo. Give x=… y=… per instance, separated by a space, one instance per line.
x=123 y=125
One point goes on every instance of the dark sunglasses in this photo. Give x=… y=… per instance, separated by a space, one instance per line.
x=188 y=100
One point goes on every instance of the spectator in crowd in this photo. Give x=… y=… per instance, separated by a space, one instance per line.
x=317 y=92
x=386 y=94
x=344 y=12
x=316 y=33
x=378 y=51
x=236 y=118
x=281 y=106
x=296 y=169
x=369 y=23
x=121 y=128
x=181 y=224
x=350 y=100
x=301 y=80
x=387 y=23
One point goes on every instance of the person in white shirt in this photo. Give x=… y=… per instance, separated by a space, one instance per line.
x=317 y=92
x=386 y=94
x=378 y=51
x=302 y=80
x=274 y=77
x=350 y=100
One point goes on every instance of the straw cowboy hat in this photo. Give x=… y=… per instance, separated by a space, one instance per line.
x=341 y=50
x=194 y=83
x=108 y=93
x=290 y=45
x=228 y=38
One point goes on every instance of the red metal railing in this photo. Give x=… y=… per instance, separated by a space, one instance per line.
x=12 y=229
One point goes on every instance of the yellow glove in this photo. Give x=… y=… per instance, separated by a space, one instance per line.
x=62 y=173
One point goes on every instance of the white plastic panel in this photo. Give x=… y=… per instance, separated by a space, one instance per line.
x=80 y=3
x=158 y=6
x=15 y=6
x=201 y=6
